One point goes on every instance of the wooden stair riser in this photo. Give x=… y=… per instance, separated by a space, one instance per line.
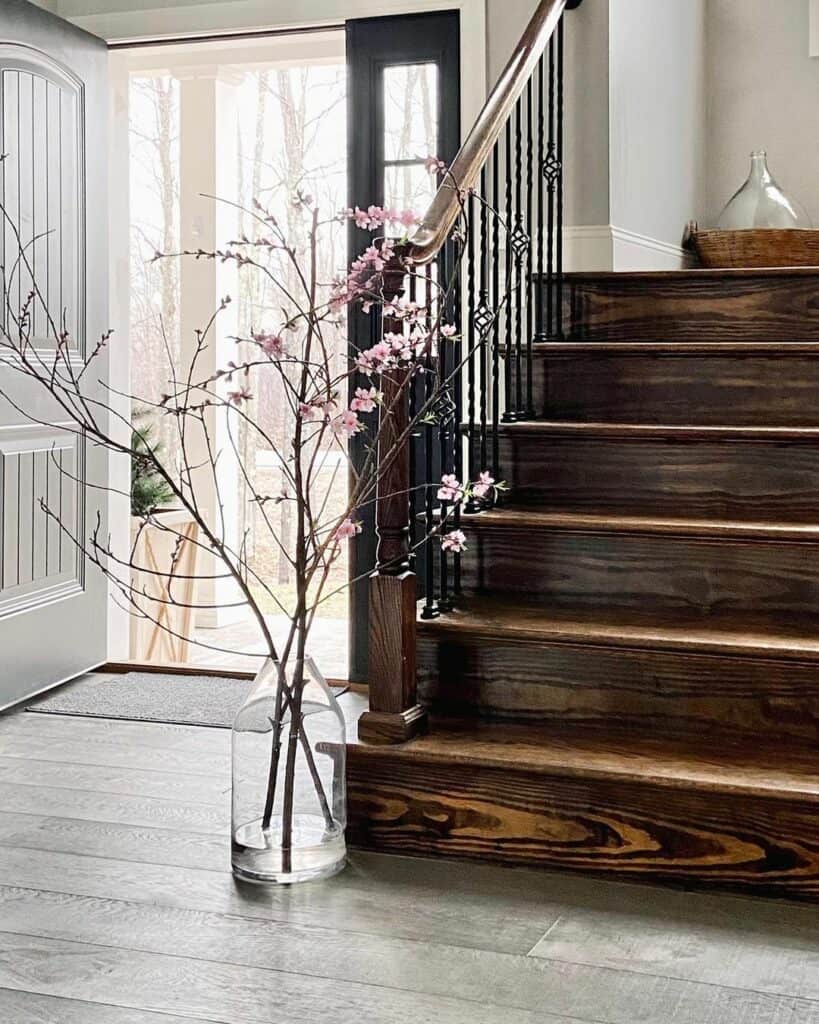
x=714 y=306
x=771 y=390
x=619 y=826
x=717 y=479
x=635 y=692
x=628 y=571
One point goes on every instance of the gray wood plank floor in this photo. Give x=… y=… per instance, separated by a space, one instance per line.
x=117 y=907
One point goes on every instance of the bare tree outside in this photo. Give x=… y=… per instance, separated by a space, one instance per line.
x=154 y=188
x=290 y=140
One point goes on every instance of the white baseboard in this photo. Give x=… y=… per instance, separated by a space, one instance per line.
x=588 y=248
x=639 y=252
x=600 y=247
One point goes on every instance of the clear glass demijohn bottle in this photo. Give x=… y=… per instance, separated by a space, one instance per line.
x=761 y=203
x=288 y=760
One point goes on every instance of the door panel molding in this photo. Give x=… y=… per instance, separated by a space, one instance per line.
x=43 y=187
x=39 y=563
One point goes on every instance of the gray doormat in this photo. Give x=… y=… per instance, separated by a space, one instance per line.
x=150 y=697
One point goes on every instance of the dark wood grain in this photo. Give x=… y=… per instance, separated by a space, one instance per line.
x=618 y=471
x=620 y=690
x=624 y=569
x=777 y=389
x=507 y=794
x=393 y=715
x=724 y=634
x=734 y=305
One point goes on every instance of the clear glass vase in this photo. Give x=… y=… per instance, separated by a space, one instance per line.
x=289 y=796
x=761 y=203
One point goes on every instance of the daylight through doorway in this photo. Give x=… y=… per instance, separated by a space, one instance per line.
x=218 y=131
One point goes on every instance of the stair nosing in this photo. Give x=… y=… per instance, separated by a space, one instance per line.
x=690 y=274
x=657 y=639
x=641 y=526
x=719 y=347
x=640 y=431
x=718 y=779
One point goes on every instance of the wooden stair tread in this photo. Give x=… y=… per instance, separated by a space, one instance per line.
x=670 y=432
x=582 y=522
x=579 y=753
x=674 y=348
x=691 y=275
x=732 y=634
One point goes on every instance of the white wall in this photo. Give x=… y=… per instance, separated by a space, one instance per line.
x=657 y=115
x=763 y=94
x=586 y=130
x=635 y=125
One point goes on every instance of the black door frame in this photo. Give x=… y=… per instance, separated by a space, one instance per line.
x=374 y=44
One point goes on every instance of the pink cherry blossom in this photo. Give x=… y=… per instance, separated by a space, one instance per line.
x=450 y=489
x=370 y=219
x=347 y=530
x=402 y=308
x=434 y=165
x=271 y=344
x=308 y=412
x=364 y=400
x=448 y=330
x=363 y=280
x=328 y=407
x=346 y=424
x=242 y=394
x=374 y=257
x=484 y=485
x=454 y=541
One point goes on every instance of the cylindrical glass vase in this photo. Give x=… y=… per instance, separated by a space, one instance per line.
x=288 y=760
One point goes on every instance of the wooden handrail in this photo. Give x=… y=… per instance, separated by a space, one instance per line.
x=445 y=207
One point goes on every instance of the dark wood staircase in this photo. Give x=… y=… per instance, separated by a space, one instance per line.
x=630 y=683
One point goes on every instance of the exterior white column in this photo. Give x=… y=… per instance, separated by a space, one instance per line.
x=208 y=131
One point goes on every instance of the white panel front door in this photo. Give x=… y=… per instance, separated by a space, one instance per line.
x=53 y=115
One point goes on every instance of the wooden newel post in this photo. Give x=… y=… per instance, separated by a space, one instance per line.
x=394 y=714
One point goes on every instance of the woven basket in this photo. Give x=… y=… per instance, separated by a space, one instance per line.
x=756 y=247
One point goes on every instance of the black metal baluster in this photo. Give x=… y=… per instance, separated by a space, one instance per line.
x=559 y=241
x=415 y=436
x=540 y=333
x=483 y=323
x=430 y=609
x=518 y=245
x=471 y=341
x=496 y=300
x=550 y=176
x=526 y=262
x=457 y=438
x=509 y=408
x=445 y=425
